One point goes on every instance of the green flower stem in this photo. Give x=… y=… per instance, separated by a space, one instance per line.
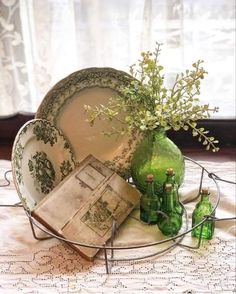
x=147 y=104
x=210 y=143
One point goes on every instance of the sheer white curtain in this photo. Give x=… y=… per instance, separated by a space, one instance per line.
x=43 y=41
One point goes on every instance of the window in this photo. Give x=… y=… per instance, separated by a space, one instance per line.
x=41 y=42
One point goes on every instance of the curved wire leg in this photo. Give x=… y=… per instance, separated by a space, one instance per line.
x=34 y=233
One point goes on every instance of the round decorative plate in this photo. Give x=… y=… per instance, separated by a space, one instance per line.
x=41 y=158
x=64 y=107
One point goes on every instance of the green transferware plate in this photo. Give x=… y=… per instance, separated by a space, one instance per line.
x=41 y=158
x=64 y=107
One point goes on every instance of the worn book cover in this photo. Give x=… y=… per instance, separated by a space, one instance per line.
x=82 y=207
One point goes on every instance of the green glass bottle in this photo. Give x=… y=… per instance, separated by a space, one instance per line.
x=203 y=207
x=170 y=179
x=149 y=203
x=170 y=221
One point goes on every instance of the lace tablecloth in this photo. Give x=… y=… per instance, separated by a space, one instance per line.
x=31 y=266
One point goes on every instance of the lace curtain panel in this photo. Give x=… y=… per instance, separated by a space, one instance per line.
x=41 y=42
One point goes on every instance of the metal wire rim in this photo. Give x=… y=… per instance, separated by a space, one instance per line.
x=176 y=239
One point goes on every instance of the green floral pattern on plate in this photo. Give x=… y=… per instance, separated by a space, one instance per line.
x=17 y=162
x=42 y=171
x=47 y=135
x=65 y=90
x=41 y=158
x=66 y=168
x=59 y=95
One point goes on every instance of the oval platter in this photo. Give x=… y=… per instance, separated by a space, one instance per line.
x=64 y=107
x=41 y=158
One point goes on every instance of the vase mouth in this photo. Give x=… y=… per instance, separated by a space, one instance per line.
x=160 y=130
x=155 y=132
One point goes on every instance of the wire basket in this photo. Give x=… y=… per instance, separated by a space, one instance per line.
x=110 y=252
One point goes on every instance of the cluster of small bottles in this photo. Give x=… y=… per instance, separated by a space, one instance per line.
x=163 y=209
x=166 y=210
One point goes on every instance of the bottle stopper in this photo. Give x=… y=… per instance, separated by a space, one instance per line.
x=149 y=178
x=169 y=172
x=205 y=191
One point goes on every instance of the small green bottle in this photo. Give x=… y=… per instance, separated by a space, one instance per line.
x=170 y=221
x=203 y=208
x=170 y=179
x=149 y=203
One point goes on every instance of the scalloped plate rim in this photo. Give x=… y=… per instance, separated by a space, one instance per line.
x=54 y=101
x=18 y=137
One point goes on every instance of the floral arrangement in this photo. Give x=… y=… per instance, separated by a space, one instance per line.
x=149 y=105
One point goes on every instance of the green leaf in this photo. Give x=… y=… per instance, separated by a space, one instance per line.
x=176 y=128
x=147 y=103
x=194 y=133
x=216 y=149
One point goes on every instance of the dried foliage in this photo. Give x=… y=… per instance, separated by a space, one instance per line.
x=149 y=105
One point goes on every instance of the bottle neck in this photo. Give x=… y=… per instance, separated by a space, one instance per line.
x=156 y=134
x=170 y=178
x=159 y=133
x=169 y=201
x=150 y=189
x=204 y=197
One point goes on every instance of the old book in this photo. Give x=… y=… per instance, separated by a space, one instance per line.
x=82 y=207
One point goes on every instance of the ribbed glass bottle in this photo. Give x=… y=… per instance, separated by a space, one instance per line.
x=170 y=179
x=170 y=221
x=149 y=203
x=203 y=208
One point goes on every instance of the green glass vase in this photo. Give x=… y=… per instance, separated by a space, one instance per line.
x=154 y=155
